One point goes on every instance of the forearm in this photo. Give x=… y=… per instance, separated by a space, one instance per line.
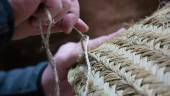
x=22 y=82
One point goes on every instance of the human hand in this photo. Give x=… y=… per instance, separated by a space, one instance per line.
x=66 y=57
x=27 y=14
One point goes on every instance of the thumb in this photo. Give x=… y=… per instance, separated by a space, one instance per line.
x=81 y=26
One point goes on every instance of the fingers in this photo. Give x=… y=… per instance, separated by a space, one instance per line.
x=81 y=26
x=98 y=41
x=45 y=21
x=66 y=19
x=57 y=10
x=59 y=13
x=71 y=18
x=66 y=7
x=41 y=14
x=68 y=23
x=55 y=6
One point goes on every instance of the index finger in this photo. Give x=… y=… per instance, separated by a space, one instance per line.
x=98 y=41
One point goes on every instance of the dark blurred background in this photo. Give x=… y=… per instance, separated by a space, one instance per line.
x=103 y=17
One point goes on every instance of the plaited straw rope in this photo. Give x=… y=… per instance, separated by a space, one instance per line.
x=112 y=83
x=142 y=80
x=146 y=58
x=107 y=82
x=138 y=59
